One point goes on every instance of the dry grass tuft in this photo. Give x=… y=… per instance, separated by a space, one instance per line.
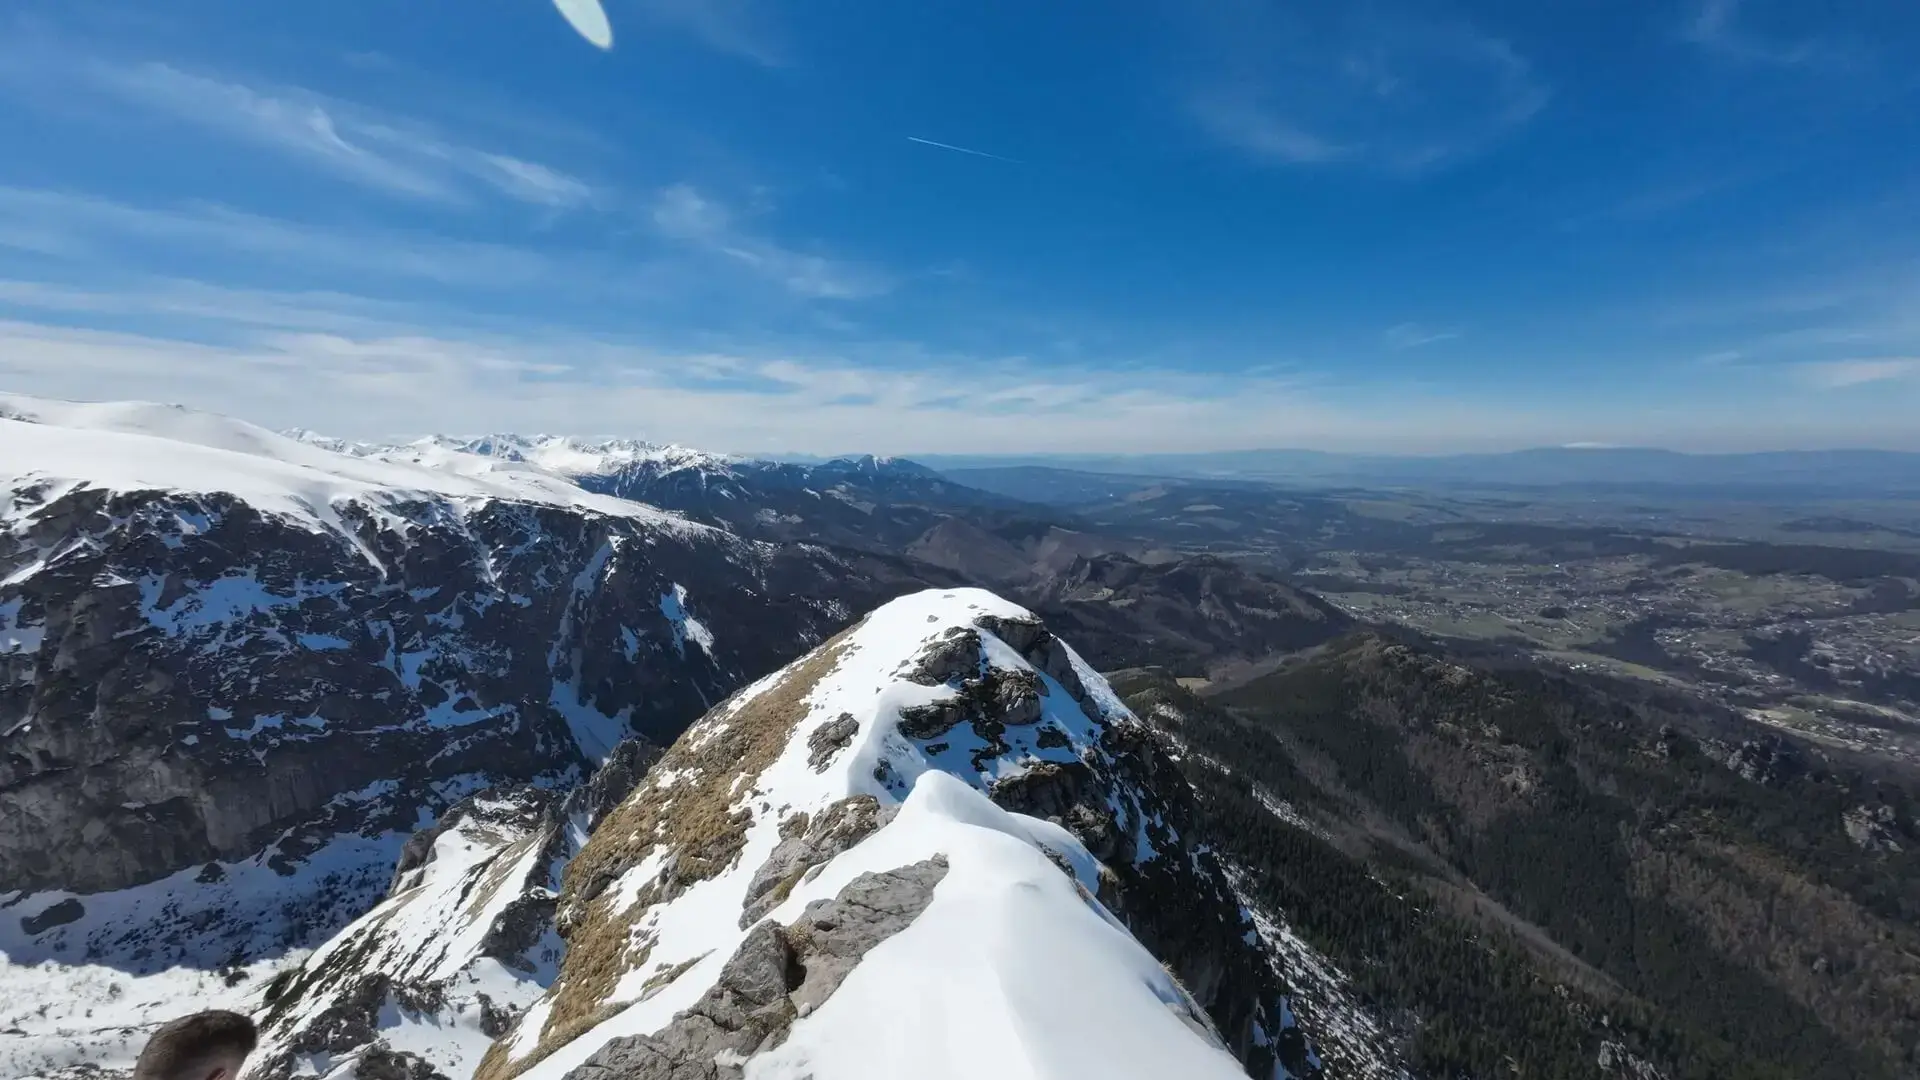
x=665 y=977
x=694 y=823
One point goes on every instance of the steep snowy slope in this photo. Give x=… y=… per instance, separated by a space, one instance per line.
x=462 y=944
x=237 y=671
x=937 y=846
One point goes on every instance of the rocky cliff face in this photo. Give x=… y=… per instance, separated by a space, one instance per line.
x=204 y=676
x=937 y=840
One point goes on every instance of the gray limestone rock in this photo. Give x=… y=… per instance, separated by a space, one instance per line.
x=953 y=656
x=836 y=829
x=777 y=975
x=382 y=1062
x=829 y=739
x=1032 y=640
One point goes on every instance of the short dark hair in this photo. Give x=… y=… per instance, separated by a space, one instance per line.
x=191 y=1047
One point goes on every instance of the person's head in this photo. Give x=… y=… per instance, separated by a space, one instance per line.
x=208 y=1045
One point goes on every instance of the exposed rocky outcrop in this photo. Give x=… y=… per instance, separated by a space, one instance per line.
x=384 y=1063
x=813 y=842
x=777 y=975
x=1770 y=761
x=1616 y=1061
x=1873 y=828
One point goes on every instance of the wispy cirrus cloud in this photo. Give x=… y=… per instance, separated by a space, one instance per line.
x=377 y=149
x=1841 y=374
x=1352 y=85
x=386 y=381
x=684 y=213
x=360 y=367
x=1413 y=335
x=739 y=28
x=1725 y=28
x=391 y=153
x=1236 y=116
x=97 y=232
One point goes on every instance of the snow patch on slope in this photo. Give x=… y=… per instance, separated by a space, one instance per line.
x=86 y=978
x=673 y=605
x=436 y=941
x=88 y=993
x=15 y=637
x=1360 y=1045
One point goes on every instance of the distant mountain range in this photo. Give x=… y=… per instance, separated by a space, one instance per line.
x=1851 y=472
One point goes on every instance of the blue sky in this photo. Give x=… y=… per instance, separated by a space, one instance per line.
x=1174 y=225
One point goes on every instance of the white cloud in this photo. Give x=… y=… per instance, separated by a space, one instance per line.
x=395 y=154
x=1840 y=374
x=695 y=275
x=1355 y=85
x=1237 y=119
x=684 y=213
x=533 y=182
x=368 y=368
x=739 y=28
x=111 y=234
x=1721 y=27
x=1413 y=335
x=344 y=365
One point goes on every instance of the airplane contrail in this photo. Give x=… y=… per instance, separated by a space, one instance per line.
x=963 y=150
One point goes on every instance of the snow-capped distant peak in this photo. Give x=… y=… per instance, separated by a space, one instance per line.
x=133 y=446
x=570 y=455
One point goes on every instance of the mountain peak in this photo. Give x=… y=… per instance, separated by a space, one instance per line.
x=881 y=465
x=944 y=787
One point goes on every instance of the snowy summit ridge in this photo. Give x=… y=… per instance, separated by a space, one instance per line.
x=933 y=847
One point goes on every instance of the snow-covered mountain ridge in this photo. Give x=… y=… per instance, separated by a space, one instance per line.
x=959 y=847
x=135 y=446
x=865 y=502
x=230 y=657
